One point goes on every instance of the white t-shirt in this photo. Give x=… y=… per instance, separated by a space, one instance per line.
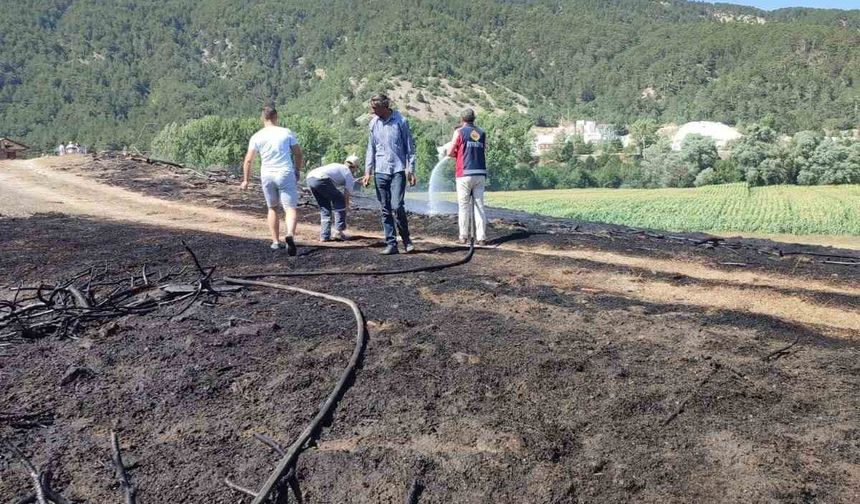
x=338 y=173
x=274 y=144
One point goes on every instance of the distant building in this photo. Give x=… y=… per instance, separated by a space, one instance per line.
x=606 y=133
x=721 y=133
x=546 y=137
x=10 y=149
x=590 y=131
x=584 y=127
x=543 y=143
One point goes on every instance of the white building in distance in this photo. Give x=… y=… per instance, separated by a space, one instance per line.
x=590 y=131
x=721 y=133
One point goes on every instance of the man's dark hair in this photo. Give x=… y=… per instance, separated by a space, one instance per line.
x=269 y=113
x=380 y=100
x=468 y=115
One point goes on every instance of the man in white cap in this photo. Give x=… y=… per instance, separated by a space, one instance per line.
x=324 y=183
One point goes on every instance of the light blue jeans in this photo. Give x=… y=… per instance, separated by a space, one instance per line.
x=280 y=188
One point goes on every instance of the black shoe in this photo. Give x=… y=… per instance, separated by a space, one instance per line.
x=389 y=250
x=291 y=246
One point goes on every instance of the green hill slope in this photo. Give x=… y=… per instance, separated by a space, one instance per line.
x=115 y=72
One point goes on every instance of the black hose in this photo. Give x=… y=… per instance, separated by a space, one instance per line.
x=288 y=461
x=312 y=430
x=417 y=269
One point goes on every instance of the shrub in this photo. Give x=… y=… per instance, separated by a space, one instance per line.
x=223 y=141
x=547 y=176
x=575 y=177
x=727 y=172
x=705 y=177
x=520 y=177
x=833 y=163
x=211 y=140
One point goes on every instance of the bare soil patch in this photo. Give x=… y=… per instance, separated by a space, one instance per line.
x=561 y=376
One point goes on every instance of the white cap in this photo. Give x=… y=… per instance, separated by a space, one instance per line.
x=353 y=160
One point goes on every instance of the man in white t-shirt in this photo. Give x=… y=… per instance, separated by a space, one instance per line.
x=279 y=174
x=324 y=183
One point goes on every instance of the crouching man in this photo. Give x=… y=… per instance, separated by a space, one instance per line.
x=324 y=183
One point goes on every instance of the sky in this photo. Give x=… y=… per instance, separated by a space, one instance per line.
x=778 y=4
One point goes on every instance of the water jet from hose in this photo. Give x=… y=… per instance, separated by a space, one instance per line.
x=436 y=186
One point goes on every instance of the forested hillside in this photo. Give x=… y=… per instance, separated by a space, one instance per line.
x=114 y=73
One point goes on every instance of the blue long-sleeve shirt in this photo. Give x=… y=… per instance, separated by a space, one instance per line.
x=390 y=147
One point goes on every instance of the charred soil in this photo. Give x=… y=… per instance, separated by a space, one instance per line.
x=573 y=363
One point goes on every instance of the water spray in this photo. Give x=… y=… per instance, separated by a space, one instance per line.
x=437 y=185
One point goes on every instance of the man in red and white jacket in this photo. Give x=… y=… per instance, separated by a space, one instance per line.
x=468 y=148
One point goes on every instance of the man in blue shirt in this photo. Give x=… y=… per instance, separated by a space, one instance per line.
x=391 y=160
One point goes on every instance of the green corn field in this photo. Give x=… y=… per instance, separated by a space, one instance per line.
x=785 y=209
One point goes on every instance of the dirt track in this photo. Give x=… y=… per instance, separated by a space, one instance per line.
x=33 y=186
x=543 y=371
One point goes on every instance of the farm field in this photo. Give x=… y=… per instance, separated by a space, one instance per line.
x=794 y=210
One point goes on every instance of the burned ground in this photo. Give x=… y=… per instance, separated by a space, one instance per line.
x=522 y=376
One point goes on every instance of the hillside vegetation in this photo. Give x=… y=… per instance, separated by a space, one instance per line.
x=114 y=73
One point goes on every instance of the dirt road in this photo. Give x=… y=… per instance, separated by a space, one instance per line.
x=573 y=366
x=31 y=186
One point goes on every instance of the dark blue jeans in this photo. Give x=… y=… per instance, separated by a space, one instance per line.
x=330 y=201
x=390 y=191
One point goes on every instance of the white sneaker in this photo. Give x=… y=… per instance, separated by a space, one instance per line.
x=342 y=236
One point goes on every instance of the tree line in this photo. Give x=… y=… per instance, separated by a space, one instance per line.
x=760 y=157
x=221 y=142
x=114 y=73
